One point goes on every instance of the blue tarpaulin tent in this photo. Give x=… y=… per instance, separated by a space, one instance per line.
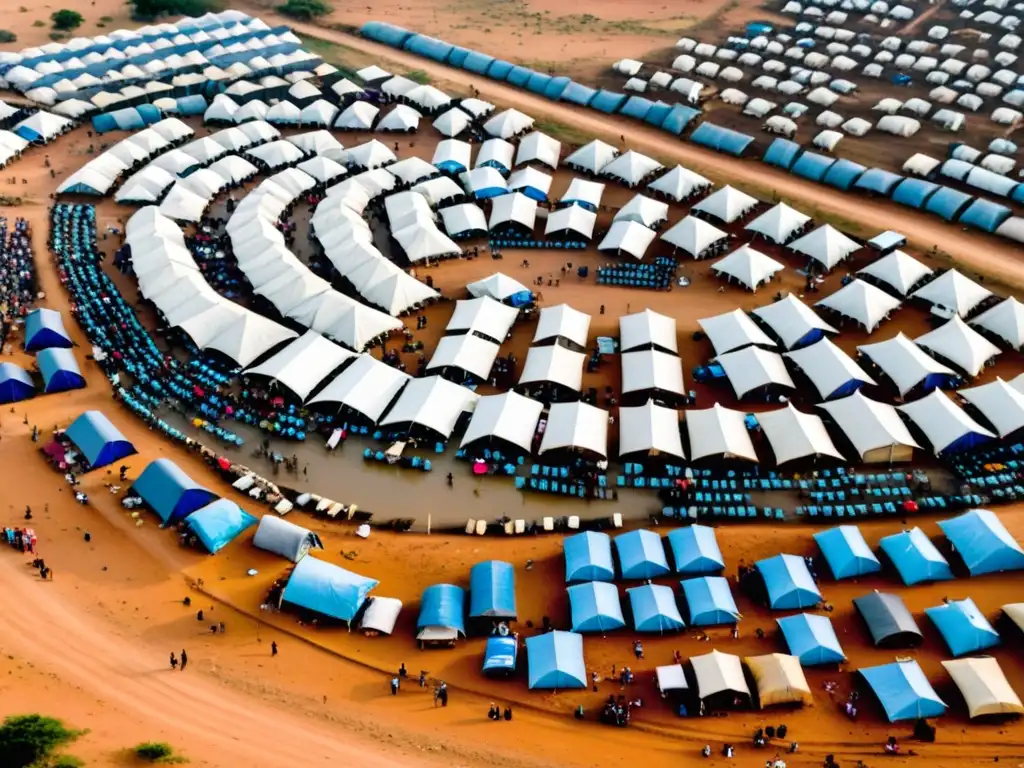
x=606 y=101
x=964 y=628
x=499 y=69
x=983 y=543
x=44 y=328
x=695 y=550
x=169 y=492
x=99 y=441
x=477 y=62
x=641 y=555
x=327 y=589
x=443 y=606
x=430 y=47
x=846 y=552
x=679 y=118
x=812 y=639
x=60 y=370
x=721 y=139
x=878 y=181
x=654 y=609
x=985 y=215
x=636 y=107
x=588 y=557
x=555 y=660
x=709 y=601
x=15 y=383
x=889 y=621
x=915 y=557
x=788 y=582
x=501 y=654
x=781 y=153
x=127 y=119
x=595 y=607
x=947 y=203
x=219 y=523
x=904 y=691
x=385 y=33
x=492 y=590
x=913 y=192
x=843 y=173
x=577 y=93
x=811 y=165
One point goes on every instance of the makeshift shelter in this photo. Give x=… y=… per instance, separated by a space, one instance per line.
x=694 y=236
x=219 y=523
x=953 y=291
x=964 y=628
x=793 y=322
x=327 y=589
x=946 y=426
x=903 y=691
x=753 y=370
x=654 y=609
x=650 y=429
x=733 y=330
x=898 y=271
x=44 y=328
x=726 y=205
x=983 y=543
x=788 y=582
x=367 y=387
x=500 y=654
x=890 y=623
x=562 y=322
x=795 y=435
x=695 y=550
x=825 y=245
x=1005 y=321
x=555 y=661
x=380 y=615
x=915 y=557
x=780 y=680
x=595 y=607
x=719 y=431
x=812 y=639
x=956 y=342
x=492 y=591
x=169 y=492
x=749 y=267
x=98 y=440
x=778 y=224
x=984 y=687
x=284 y=538
x=719 y=676
x=442 y=614
x=15 y=383
x=830 y=370
x=906 y=366
x=1000 y=404
x=641 y=555
x=59 y=369
x=863 y=303
x=709 y=601
x=578 y=427
x=846 y=552
x=588 y=557
x=508 y=417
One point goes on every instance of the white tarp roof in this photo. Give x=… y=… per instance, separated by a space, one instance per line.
x=903 y=362
x=693 y=235
x=631 y=167
x=463 y=219
x=791 y=320
x=629 y=236
x=574 y=219
x=381 y=614
x=826 y=245
x=733 y=330
x=577 y=426
x=453 y=122
x=862 y=302
x=431 y=402
x=751 y=368
x=795 y=435
x=679 y=183
x=539 y=147
x=953 y=291
x=779 y=223
x=485 y=316
x=245 y=338
x=530 y=177
x=727 y=204
x=183 y=204
x=367 y=386
x=498 y=286
x=507 y=124
x=562 y=320
x=718 y=672
x=643 y=210
x=960 y=344
x=467 y=352
x=592 y=157
x=641 y=329
x=941 y=421
x=718 y=431
x=495 y=151
x=276 y=153
x=554 y=363
x=584 y=191
x=1005 y=320
x=650 y=428
x=508 y=416
x=897 y=270
x=828 y=367
x=304 y=363
x=649 y=369
x=412 y=169
x=869 y=424
x=1000 y=404
x=515 y=207
x=984 y=686
x=748 y=266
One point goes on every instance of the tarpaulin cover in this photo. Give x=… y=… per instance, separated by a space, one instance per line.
x=679 y=119
x=327 y=589
x=964 y=628
x=641 y=555
x=588 y=557
x=914 y=192
x=904 y=691
x=15 y=383
x=947 y=202
x=846 y=552
x=811 y=165
x=985 y=215
x=695 y=550
x=709 y=601
x=789 y=582
x=915 y=557
x=60 y=370
x=555 y=660
x=492 y=590
x=878 y=180
x=812 y=639
x=721 y=139
x=44 y=328
x=219 y=523
x=99 y=441
x=577 y=93
x=983 y=543
x=843 y=173
x=500 y=654
x=169 y=492
x=595 y=607
x=385 y=33
x=654 y=609
x=888 y=619
x=781 y=153
x=443 y=605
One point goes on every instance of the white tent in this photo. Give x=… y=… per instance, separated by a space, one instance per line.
x=146 y=186
x=573 y=220
x=514 y=208
x=1005 y=320
x=627 y=236
x=401 y=118
x=183 y=205
x=507 y=124
x=344 y=87
x=875 y=429
x=371 y=154
x=862 y=302
x=718 y=672
x=646 y=329
x=791 y=320
x=826 y=245
x=592 y=157
x=1000 y=404
x=468 y=353
x=276 y=154
x=719 y=431
x=562 y=321
x=497 y=153
x=303 y=364
x=367 y=386
x=554 y=363
x=204 y=150
x=650 y=429
x=484 y=180
x=942 y=423
x=727 y=204
x=694 y=236
x=795 y=435
x=411 y=170
x=398 y=85
x=323 y=169
x=462 y=220
x=897 y=270
x=779 y=223
x=539 y=147
x=246 y=338
x=748 y=266
x=45 y=124
x=953 y=291
x=430 y=402
x=583 y=191
x=576 y=426
x=452 y=123
x=438 y=189
x=483 y=316
x=631 y=167
x=233 y=169
x=509 y=417
x=283 y=113
x=423 y=240
x=984 y=686
x=828 y=368
x=456 y=155
x=428 y=97
x=476 y=107
x=733 y=330
x=648 y=370
x=679 y=183
x=752 y=368
x=643 y=210
x=958 y=343
x=498 y=286
x=903 y=362
x=530 y=178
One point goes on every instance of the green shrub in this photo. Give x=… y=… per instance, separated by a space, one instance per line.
x=66 y=19
x=418 y=76
x=30 y=740
x=153 y=751
x=305 y=10
x=58 y=36
x=6 y=36
x=66 y=761
x=38 y=23
x=153 y=9
x=106 y=19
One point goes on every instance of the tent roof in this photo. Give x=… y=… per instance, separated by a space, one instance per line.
x=780 y=680
x=508 y=416
x=887 y=616
x=327 y=589
x=695 y=550
x=963 y=626
x=960 y=344
x=796 y=435
x=649 y=369
x=381 y=614
x=508 y=123
x=303 y=364
x=629 y=236
x=562 y=320
x=432 y=402
x=953 y=291
x=846 y=552
x=733 y=330
x=710 y=601
x=643 y=210
x=718 y=672
x=483 y=316
x=727 y=204
x=366 y=386
x=904 y=691
x=595 y=607
x=645 y=328
x=554 y=363
x=826 y=245
x=984 y=686
x=903 y=362
x=588 y=557
x=779 y=223
x=748 y=266
x=539 y=147
x=284 y=538
x=828 y=367
x=641 y=555
x=583 y=191
x=631 y=167
x=982 y=541
x=1000 y=404
x=169 y=492
x=219 y=523
x=492 y=590
x=791 y=320
x=679 y=183
x=897 y=270
x=498 y=286
x=654 y=609
x=650 y=428
x=592 y=157
x=574 y=219
x=862 y=302
x=555 y=660
x=443 y=606
x=514 y=208
x=812 y=639
x=467 y=352
x=719 y=431
x=693 y=235
x=452 y=122
x=941 y=421
x=1005 y=320
x=789 y=582
x=751 y=368
x=98 y=439
x=915 y=556
x=578 y=426
x=247 y=337
x=671 y=677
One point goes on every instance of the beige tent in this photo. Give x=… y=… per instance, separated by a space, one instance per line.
x=1015 y=613
x=780 y=679
x=984 y=686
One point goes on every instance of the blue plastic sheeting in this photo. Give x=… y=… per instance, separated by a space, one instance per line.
x=1018 y=194
x=492 y=590
x=657 y=113
x=555 y=86
x=44 y=328
x=538 y=82
x=811 y=165
x=721 y=139
x=654 y=609
x=499 y=69
x=501 y=654
x=149 y=114
x=15 y=383
x=789 y=582
x=327 y=589
x=577 y=93
x=983 y=543
x=947 y=203
x=60 y=370
x=636 y=107
x=169 y=492
x=963 y=627
x=709 y=601
x=878 y=180
x=846 y=552
x=781 y=153
x=443 y=605
x=127 y=119
x=518 y=76
x=695 y=550
x=488 y=192
x=219 y=523
x=99 y=441
x=904 y=691
x=595 y=607
x=914 y=192
x=555 y=660
x=28 y=134
x=457 y=57
x=588 y=557
x=430 y=47
x=915 y=557
x=641 y=555
x=385 y=33
x=679 y=119
x=812 y=639
x=843 y=173
x=985 y=215
x=191 y=105
x=477 y=62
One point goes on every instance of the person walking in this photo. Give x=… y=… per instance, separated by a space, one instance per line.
x=184 y=659
x=394 y=685
x=273 y=648
x=174 y=661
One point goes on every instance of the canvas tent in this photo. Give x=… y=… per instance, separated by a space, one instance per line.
x=709 y=601
x=906 y=365
x=654 y=609
x=963 y=626
x=863 y=303
x=508 y=417
x=219 y=523
x=719 y=431
x=576 y=426
x=953 y=291
x=719 y=674
x=847 y=554
x=283 y=538
x=442 y=612
x=641 y=555
x=492 y=591
x=890 y=623
x=588 y=557
x=903 y=691
x=367 y=386
x=983 y=543
x=695 y=550
x=753 y=369
x=898 y=271
x=169 y=492
x=812 y=639
x=916 y=559
x=733 y=330
x=99 y=441
x=649 y=429
x=780 y=680
x=793 y=322
x=595 y=607
x=825 y=245
x=327 y=589
x=1005 y=321
x=788 y=582
x=795 y=435
x=747 y=266
x=984 y=686
x=946 y=426
x=556 y=661
x=45 y=328
x=830 y=370
x=1000 y=404
x=432 y=403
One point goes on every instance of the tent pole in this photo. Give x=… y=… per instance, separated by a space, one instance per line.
x=428 y=524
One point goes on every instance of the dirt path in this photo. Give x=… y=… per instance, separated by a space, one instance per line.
x=915 y=23
x=989 y=256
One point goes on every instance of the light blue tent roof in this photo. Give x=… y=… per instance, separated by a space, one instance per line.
x=588 y=557
x=443 y=605
x=60 y=370
x=789 y=582
x=595 y=607
x=878 y=180
x=641 y=555
x=843 y=173
x=45 y=328
x=983 y=543
x=846 y=552
x=915 y=557
x=964 y=628
x=328 y=589
x=654 y=609
x=677 y=120
x=811 y=165
x=169 y=492
x=492 y=590
x=555 y=660
x=500 y=654
x=812 y=639
x=985 y=215
x=721 y=139
x=913 y=192
x=781 y=153
x=947 y=202
x=219 y=523
x=15 y=383
x=904 y=691
x=99 y=441
x=695 y=550
x=709 y=601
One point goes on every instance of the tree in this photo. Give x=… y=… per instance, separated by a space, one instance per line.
x=305 y=10
x=6 y=36
x=153 y=9
x=66 y=19
x=30 y=740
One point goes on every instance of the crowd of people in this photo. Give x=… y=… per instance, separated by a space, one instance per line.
x=18 y=289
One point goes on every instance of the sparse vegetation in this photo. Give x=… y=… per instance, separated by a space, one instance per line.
x=106 y=19
x=38 y=23
x=157 y=752
x=418 y=76
x=148 y=10
x=305 y=10
x=58 y=36
x=29 y=741
x=65 y=19
x=66 y=761
x=6 y=36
